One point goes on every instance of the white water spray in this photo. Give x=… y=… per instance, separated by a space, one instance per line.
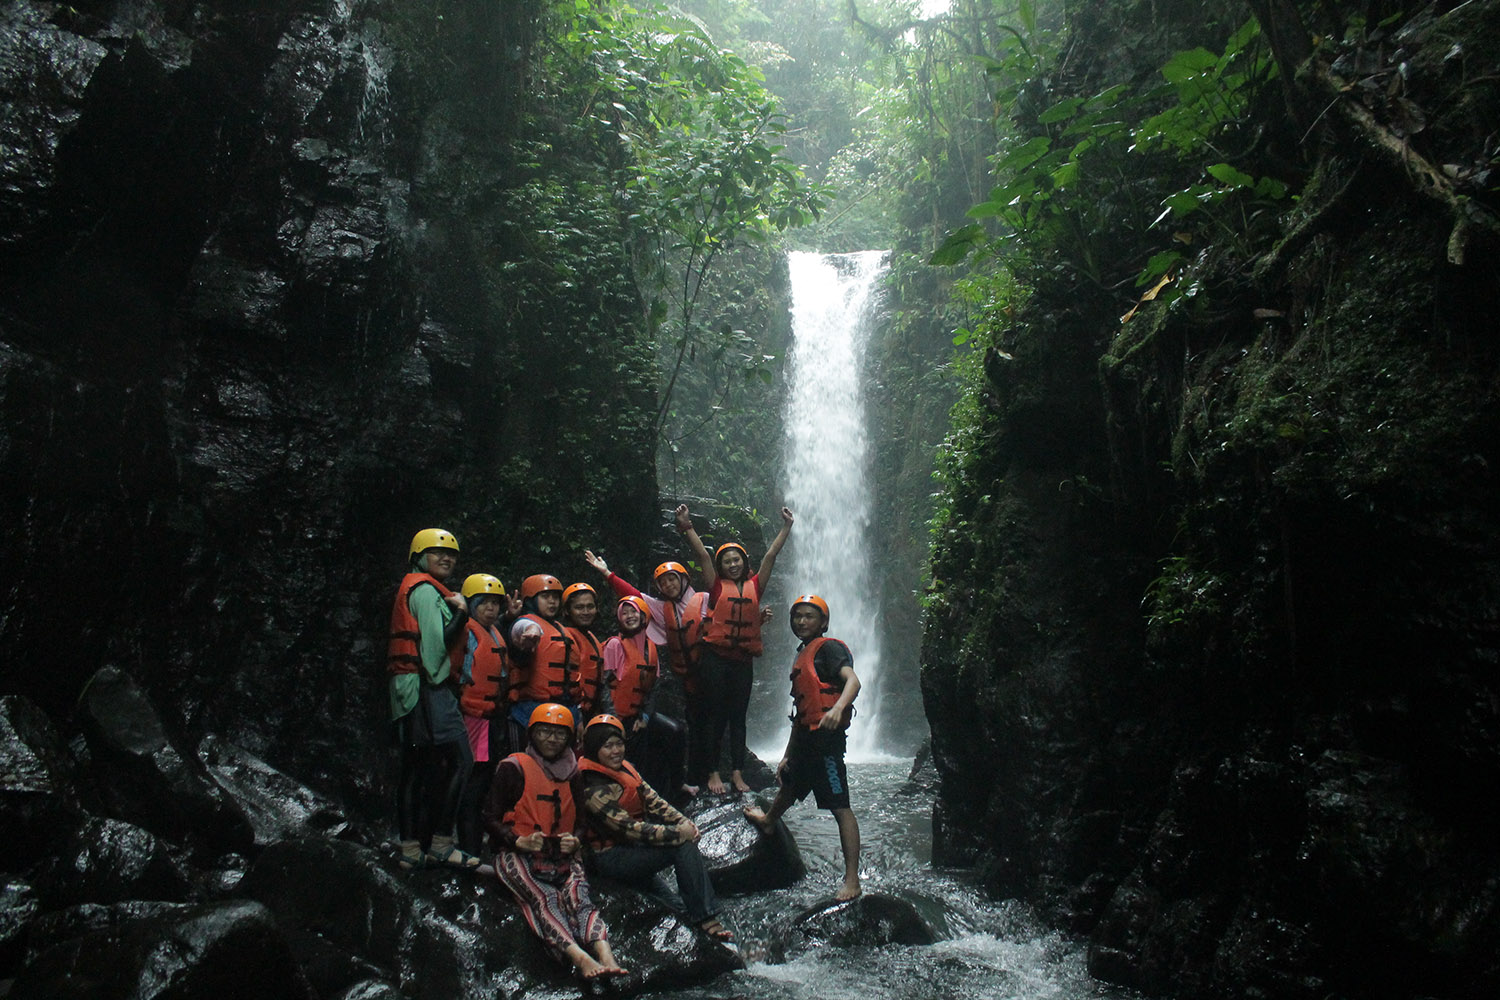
x=827 y=461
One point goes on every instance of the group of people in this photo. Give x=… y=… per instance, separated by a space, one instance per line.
x=514 y=720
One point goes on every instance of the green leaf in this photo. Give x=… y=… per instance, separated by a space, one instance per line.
x=957 y=246
x=1226 y=174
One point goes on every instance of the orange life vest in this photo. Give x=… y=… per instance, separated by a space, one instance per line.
x=628 y=779
x=489 y=687
x=553 y=673
x=684 y=627
x=403 y=649
x=635 y=682
x=590 y=657
x=733 y=625
x=544 y=805
x=811 y=698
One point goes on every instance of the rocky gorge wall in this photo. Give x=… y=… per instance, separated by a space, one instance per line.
x=273 y=298
x=1216 y=600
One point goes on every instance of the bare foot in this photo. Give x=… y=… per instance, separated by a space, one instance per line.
x=587 y=967
x=766 y=827
x=850 y=890
x=716 y=784
x=739 y=783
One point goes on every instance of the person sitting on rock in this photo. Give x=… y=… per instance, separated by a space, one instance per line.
x=533 y=825
x=823 y=690
x=656 y=742
x=427 y=620
x=731 y=641
x=633 y=833
x=580 y=611
x=481 y=663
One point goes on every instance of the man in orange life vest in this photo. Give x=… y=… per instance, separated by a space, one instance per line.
x=823 y=690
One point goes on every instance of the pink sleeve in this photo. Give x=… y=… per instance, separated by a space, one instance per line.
x=614 y=656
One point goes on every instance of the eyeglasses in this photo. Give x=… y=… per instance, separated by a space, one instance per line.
x=551 y=734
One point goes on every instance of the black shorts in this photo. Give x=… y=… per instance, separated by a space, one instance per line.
x=816 y=764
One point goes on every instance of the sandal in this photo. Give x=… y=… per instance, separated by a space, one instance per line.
x=410 y=862
x=455 y=858
x=714 y=929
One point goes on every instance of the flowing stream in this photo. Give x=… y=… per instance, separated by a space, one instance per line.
x=986 y=950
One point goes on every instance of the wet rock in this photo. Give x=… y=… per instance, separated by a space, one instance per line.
x=872 y=919
x=228 y=951
x=18 y=905
x=90 y=918
x=739 y=858
x=38 y=790
x=433 y=935
x=278 y=806
x=44 y=72
x=658 y=949
x=142 y=777
x=109 y=861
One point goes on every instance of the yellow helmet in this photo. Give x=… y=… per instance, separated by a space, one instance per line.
x=552 y=714
x=481 y=584
x=432 y=538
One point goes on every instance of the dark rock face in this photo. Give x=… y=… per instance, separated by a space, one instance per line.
x=277 y=806
x=259 y=328
x=232 y=950
x=143 y=777
x=1211 y=672
x=38 y=786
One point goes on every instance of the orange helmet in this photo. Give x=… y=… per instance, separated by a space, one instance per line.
x=639 y=603
x=552 y=714
x=815 y=601
x=606 y=720
x=578 y=588
x=719 y=552
x=539 y=582
x=669 y=567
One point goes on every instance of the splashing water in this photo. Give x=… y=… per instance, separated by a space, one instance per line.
x=833 y=307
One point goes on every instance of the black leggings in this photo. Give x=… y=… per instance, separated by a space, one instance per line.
x=724 y=693
x=428 y=791
x=658 y=753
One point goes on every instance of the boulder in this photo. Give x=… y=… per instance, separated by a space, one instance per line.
x=18 y=905
x=432 y=934
x=38 y=787
x=278 y=806
x=111 y=861
x=230 y=950
x=870 y=920
x=740 y=859
x=141 y=775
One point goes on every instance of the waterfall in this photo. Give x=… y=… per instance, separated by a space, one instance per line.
x=827 y=464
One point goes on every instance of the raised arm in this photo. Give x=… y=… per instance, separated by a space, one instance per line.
x=766 y=564
x=686 y=529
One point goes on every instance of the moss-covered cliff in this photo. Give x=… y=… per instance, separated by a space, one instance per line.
x=1216 y=594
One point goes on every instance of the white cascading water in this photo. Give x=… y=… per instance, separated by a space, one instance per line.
x=827 y=461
